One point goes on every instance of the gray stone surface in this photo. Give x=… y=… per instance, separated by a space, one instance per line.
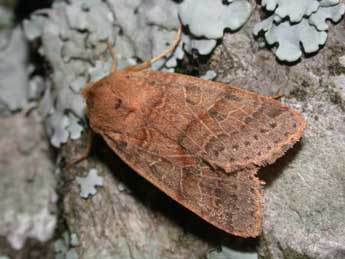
x=28 y=199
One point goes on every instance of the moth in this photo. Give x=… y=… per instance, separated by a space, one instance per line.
x=200 y=142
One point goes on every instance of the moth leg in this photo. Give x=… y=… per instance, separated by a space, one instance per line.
x=279 y=94
x=113 y=57
x=84 y=154
x=148 y=63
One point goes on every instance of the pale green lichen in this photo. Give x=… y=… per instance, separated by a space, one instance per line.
x=64 y=247
x=295 y=10
x=290 y=36
x=89 y=183
x=226 y=252
x=210 y=18
x=306 y=28
x=333 y=13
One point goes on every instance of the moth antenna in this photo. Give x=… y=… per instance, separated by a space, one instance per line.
x=148 y=63
x=113 y=57
x=170 y=48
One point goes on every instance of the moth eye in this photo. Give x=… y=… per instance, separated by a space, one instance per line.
x=118 y=103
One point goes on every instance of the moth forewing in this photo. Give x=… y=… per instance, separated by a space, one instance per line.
x=200 y=142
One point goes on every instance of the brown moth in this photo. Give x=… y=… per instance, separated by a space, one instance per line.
x=200 y=142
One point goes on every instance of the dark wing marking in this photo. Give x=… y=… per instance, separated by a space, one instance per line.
x=228 y=127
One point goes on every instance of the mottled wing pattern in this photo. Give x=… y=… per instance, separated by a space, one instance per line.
x=211 y=194
x=198 y=141
x=227 y=127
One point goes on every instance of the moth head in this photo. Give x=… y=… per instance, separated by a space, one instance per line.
x=109 y=104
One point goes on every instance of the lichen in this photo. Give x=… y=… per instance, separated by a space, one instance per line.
x=226 y=252
x=89 y=183
x=295 y=10
x=64 y=247
x=306 y=28
x=333 y=13
x=72 y=254
x=209 y=19
x=13 y=71
x=74 y=240
x=289 y=37
x=209 y=75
